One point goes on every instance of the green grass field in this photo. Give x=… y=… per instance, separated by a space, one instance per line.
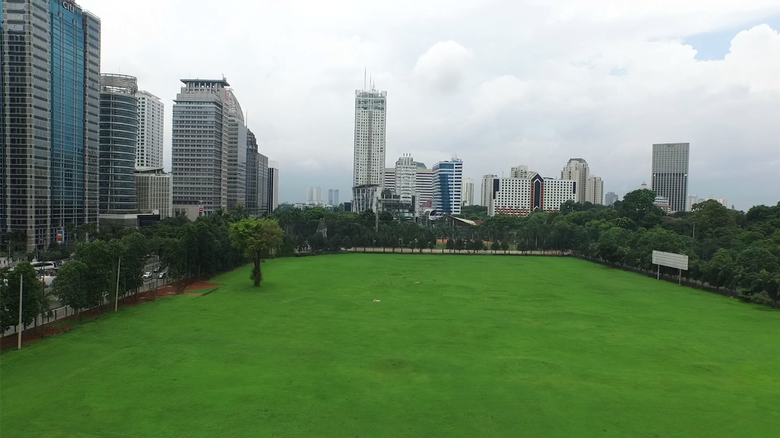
x=482 y=347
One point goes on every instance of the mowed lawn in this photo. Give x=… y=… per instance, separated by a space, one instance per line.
x=481 y=347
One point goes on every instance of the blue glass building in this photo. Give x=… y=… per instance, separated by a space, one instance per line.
x=67 y=115
x=447 y=186
x=50 y=116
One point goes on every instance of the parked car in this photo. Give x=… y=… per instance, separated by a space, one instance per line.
x=162 y=275
x=147 y=275
x=156 y=269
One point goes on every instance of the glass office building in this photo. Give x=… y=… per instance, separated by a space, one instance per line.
x=118 y=139
x=50 y=78
x=447 y=186
x=67 y=114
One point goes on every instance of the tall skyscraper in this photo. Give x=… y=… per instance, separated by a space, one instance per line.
x=200 y=144
x=151 y=114
x=252 y=175
x=594 y=190
x=424 y=183
x=610 y=199
x=314 y=196
x=256 y=178
x=118 y=139
x=333 y=197
x=369 y=153
x=50 y=118
x=487 y=189
x=406 y=178
x=577 y=170
x=236 y=151
x=468 y=192
x=448 y=186
x=670 y=173
x=273 y=186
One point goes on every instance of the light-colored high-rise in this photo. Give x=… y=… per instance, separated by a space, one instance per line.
x=200 y=145
x=369 y=153
x=236 y=149
x=521 y=172
x=425 y=192
x=577 y=170
x=468 y=192
x=594 y=190
x=610 y=199
x=333 y=197
x=448 y=186
x=670 y=173
x=151 y=114
x=154 y=190
x=487 y=189
x=406 y=178
x=314 y=196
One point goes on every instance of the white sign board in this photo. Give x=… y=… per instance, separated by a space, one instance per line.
x=672 y=260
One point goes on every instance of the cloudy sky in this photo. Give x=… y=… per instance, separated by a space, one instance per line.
x=497 y=83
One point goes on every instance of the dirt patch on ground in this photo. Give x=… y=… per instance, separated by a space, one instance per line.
x=63 y=325
x=34 y=335
x=201 y=285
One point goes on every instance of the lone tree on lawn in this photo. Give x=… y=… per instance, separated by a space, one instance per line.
x=255 y=237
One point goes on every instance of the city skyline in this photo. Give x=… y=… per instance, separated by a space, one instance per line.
x=446 y=103
x=453 y=91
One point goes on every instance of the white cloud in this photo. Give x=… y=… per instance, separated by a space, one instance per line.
x=497 y=82
x=443 y=66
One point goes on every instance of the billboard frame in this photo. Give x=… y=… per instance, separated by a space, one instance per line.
x=671 y=260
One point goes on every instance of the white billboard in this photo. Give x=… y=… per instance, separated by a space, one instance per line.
x=672 y=260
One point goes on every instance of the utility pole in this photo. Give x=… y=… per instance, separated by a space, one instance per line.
x=116 y=300
x=21 y=324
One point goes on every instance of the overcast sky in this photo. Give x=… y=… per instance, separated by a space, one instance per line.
x=497 y=83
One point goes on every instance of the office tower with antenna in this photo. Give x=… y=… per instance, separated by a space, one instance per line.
x=369 y=147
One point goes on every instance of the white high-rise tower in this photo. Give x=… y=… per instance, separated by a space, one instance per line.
x=577 y=170
x=149 y=149
x=369 y=159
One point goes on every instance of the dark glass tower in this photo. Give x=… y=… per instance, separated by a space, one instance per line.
x=118 y=137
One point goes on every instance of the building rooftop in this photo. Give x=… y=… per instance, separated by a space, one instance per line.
x=222 y=81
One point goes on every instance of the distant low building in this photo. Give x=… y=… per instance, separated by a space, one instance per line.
x=522 y=196
x=154 y=191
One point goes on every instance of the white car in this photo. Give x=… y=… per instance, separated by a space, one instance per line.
x=147 y=275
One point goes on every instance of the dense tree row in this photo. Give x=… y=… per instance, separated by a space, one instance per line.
x=186 y=249
x=730 y=250
x=727 y=249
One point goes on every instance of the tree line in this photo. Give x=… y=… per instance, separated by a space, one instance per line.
x=112 y=265
x=728 y=250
